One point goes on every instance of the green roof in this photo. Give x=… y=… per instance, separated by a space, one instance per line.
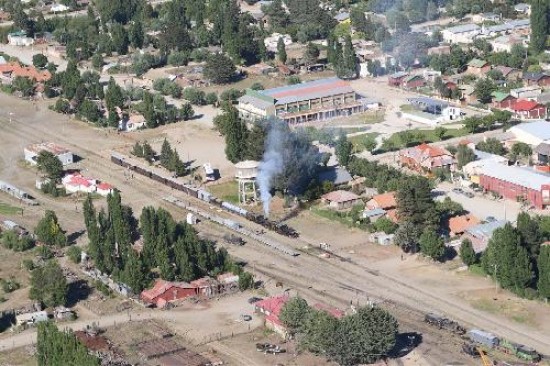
x=411 y=78
x=260 y=95
x=477 y=63
x=499 y=96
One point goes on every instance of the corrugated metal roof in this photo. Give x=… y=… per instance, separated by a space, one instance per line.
x=522 y=177
x=485 y=230
x=256 y=102
x=310 y=90
x=463 y=28
x=539 y=129
x=475 y=62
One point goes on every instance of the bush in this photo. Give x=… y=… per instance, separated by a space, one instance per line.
x=9 y=285
x=28 y=264
x=231 y=95
x=194 y=96
x=211 y=98
x=386 y=225
x=75 y=254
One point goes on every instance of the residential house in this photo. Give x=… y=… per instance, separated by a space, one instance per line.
x=502 y=100
x=413 y=82
x=517 y=183
x=531 y=133
x=341 y=200
x=528 y=109
x=480 y=234
x=373 y=214
x=20 y=39
x=104 y=189
x=342 y=17
x=485 y=17
x=63 y=313
x=338 y=176
x=132 y=122
x=206 y=286
x=461 y=33
x=426 y=158
x=478 y=67
x=11 y=70
x=228 y=279
x=505 y=43
x=526 y=92
x=77 y=183
x=59 y=8
x=523 y=8
x=509 y=73
x=56 y=50
x=32 y=151
x=468 y=94
x=542 y=153
x=271 y=308
x=164 y=292
x=431 y=75
x=459 y=224
x=439 y=50
x=397 y=78
x=384 y=201
x=431 y=111
x=536 y=78
x=272 y=41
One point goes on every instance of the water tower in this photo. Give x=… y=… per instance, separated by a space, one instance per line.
x=246 y=174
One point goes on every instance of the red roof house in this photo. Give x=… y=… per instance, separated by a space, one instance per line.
x=271 y=307
x=335 y=312
x=340 y=199
x=413 y=82
x=165 y=291
x=385 y=201
x=459 y=224
x=11 y=70
x=528 y=109
x=426 y=157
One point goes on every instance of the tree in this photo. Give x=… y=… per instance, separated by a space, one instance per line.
x=531 y=237
x=484 y=89
x=344 y=148
x=492 y=146
x=385 y=225
x=219 y=69
x=24 y=85
x=467 y=253
x=432 y=245
x=416 y=205
x=520 y=150
x=49 y=164
x=281 y=50
x=136 y=34
x=440 y=132
x=472 y=124
x=543 y=264
x=75 y=254
x=539 y=25
x=49 y=231
x=97 y=61
x=113 y=96
x=39 y=61
x=294 y=313
x=406 y=237
x=54 y=347
x=364 y=337
x=135 y=274
x=246 y=281
x=464 y=155
x=311 y=54
x=506 y=259
x=256 y=142
x=48 y=285
x=319 y=330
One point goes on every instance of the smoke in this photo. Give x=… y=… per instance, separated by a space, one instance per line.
x=272 y=162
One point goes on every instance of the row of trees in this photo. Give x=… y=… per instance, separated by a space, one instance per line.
x=360 y=338
x=55 y=347
x=169 y=247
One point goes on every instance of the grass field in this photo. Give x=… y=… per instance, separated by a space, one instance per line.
x=228 y=191
x=417 y=136
x=359 y=141
x=6 y=209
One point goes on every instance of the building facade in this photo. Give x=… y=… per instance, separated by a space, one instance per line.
x=306 y=102
x=31 y=152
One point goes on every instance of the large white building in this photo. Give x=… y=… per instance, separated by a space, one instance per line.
x=461 y=33
x=63 y=154
x=532 y=133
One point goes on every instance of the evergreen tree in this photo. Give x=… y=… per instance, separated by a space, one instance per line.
x=319 y=330
x=90 y=221
x=50 y=165
x=543 y=262
x=137 y=150
x=149 y=110
x=432 y=245
x=219 y=69
x=135 y=272
x=49 y=231
x=113 y=95
x=344 y=148
x=235 y=132
x=416 y=205
x=136 y=34
x=348 y=67
x=506 y=258
x=48 y=285
x=166 y=154
x=256 y=142
x=467 y=253
x=539 y=25
x=281 y=51
x=54 y=347
x=531 y=237
x=294 y=313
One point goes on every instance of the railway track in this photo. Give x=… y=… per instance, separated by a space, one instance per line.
x=392 y=292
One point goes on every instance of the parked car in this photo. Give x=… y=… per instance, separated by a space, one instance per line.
x=468 y=194
x=490 y=219
x=246 y=317
x=457 y=190
x=254 y=299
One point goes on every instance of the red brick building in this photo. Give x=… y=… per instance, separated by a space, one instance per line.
x=503 y=100
x=515 y=183
x=413 y=82
x=528 y=109
x=164 y=292
x=397 y=79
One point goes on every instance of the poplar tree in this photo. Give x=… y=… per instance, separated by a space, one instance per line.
x=281 y=50
x=543 y=262
x=539 y=25
x=235 y=134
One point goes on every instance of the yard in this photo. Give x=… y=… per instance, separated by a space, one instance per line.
x=6 y=209
x=414 y=137
x=226 y=191
x=363 y=142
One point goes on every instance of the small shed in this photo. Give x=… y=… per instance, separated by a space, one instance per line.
x=341 y=200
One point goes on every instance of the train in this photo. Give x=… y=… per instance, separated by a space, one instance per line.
x=203 y=195
x=477 y=337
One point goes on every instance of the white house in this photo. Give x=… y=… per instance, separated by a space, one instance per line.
x=104 y=189
x=505 y=43
x=526 y=92
x=59 y=8
x=77 y=183
x=20 y=39
x=432 y=111
x=132 y=123
x=461 y=33
x=531 y=133
x=64 y=155
x=272 y=41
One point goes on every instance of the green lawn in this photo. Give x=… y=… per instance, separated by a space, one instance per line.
x=360 y=140
x=228 y=191
x=6 y=209
x=395 y=142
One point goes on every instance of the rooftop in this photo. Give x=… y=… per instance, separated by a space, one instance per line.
x=485 y=230
x=385 y=200
x=534 y=76
x=499 y=96
x=308 y=90
x=47 y=146
x=475 y=62
x=523 y=177
x=459 y=224
x=272 y=305
x=340 y=196
x=525 y=105
x=336 y=176
x=399 y=75
x=463 y=28
x=161 y=287
x=25 y=71
x=428 y=103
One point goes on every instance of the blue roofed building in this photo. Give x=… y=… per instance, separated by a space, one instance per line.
x=480 y=234
x=312 y=101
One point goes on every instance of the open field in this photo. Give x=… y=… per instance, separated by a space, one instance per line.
x=7 y=209
x=23 y=356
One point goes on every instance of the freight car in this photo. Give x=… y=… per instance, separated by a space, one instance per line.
x=444 y=323
x=491 y=341
x=173 y=183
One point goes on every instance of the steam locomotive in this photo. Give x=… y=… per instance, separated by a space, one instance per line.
x=203 y=195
